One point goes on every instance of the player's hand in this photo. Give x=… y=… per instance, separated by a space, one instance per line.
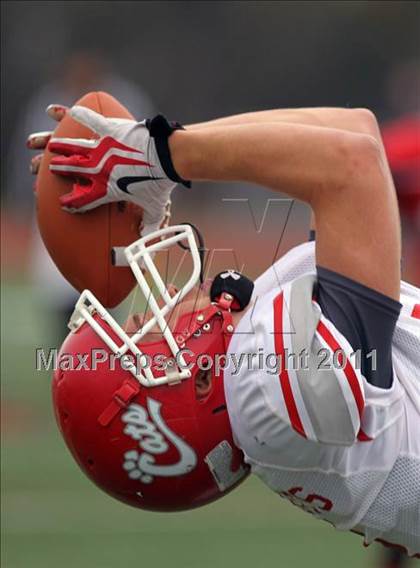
x=39 y=140
x=122 y=164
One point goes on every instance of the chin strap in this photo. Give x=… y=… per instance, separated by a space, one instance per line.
x=200 y=319
x=130 y=388
x=120 y=400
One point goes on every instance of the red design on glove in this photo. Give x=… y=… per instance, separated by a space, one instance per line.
x=92 y=162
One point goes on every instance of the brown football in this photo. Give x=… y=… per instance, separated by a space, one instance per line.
x=81 y=244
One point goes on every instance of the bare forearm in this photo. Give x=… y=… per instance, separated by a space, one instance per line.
x=292 y=158
x=351 y=120
x=358 y=121
x=300 y=116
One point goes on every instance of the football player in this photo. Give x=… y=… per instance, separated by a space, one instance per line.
x=334 y=426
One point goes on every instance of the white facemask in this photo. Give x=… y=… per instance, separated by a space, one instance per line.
x=140 y=254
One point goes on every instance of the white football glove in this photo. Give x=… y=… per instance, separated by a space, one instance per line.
x=123 y=164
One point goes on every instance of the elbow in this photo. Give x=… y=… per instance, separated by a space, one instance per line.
x=359 y=163
x=365 y=121
x=363 y=154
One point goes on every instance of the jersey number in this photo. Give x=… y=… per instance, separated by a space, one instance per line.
x=312 y=503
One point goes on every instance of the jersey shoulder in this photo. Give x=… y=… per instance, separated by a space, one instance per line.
x=304 y=370
x=299 y=373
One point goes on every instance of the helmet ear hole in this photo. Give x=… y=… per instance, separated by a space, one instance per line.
x=203 y=383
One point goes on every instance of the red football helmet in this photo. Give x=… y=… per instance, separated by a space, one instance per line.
x=129 y=411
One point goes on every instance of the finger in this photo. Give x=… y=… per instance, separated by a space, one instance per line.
x=84 y=179
x=35 y=164
x=56 y=112
x=91 y=119
x=85 y=208
x=74 y=163
x=84 y=197
x=38 y=140
x=76 y=198
x=69 y=146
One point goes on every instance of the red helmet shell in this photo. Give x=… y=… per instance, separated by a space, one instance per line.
x=161 y=448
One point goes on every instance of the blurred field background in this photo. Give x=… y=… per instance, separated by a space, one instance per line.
x=193 y=61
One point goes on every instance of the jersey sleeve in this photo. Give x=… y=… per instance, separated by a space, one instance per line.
x=321 y=386
x=297 y=379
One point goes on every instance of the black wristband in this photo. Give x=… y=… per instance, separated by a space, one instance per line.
x=160 y=129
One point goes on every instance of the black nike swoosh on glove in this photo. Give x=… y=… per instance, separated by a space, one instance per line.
x=124 y=182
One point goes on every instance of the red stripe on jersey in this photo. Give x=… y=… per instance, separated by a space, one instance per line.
x=416 y=312
x=362 y=437
x=292 y=410
x=348 y=369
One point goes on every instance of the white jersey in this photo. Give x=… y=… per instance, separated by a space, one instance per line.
x=310 y=425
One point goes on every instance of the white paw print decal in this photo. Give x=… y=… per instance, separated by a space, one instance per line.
x=132 y=466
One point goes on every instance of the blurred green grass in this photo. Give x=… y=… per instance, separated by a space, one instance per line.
x=53 y=516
